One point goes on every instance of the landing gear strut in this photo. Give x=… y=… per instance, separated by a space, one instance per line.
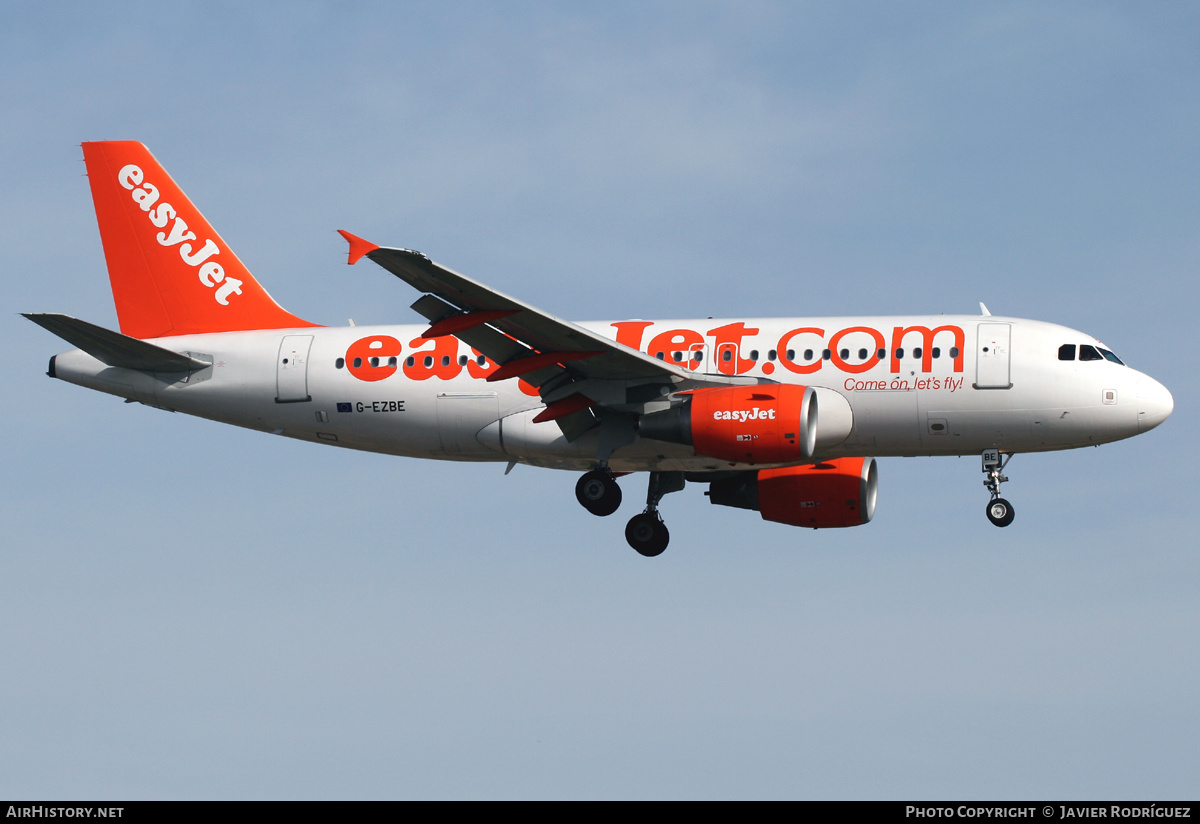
x=646 y=532
x=999 y=511
x=598 y=492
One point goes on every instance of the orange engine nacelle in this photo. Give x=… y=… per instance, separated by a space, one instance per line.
x=830 y=494
x=769 y=423
x=834 y=493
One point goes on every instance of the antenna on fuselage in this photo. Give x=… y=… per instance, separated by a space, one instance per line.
x=983 y=310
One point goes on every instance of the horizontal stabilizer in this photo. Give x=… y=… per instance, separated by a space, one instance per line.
x=113 y=348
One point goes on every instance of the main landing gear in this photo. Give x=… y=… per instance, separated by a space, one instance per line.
x=999 y=511
x=598 y=492
x=646 y=532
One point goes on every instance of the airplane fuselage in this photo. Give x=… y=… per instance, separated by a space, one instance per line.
x=923 y=385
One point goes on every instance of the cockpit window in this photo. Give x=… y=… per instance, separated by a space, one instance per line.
x=1087 y=352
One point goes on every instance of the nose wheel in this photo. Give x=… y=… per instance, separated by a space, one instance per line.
x=999 y=511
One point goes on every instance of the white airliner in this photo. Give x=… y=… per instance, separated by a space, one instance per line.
x=774 y=414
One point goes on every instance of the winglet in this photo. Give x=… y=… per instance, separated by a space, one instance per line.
x=358 y=246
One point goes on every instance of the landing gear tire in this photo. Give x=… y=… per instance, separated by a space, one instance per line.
x=598 y=492
x=647 y=534
x=1000 y=512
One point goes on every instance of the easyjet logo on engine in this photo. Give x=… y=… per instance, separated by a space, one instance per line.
x=743 y=415
x=146 y=196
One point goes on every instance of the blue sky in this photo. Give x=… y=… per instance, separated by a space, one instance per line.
x=197 y=611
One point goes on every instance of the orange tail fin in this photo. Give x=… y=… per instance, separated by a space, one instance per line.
x=171 y=274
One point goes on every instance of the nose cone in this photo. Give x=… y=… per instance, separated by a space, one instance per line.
x=1155 y=403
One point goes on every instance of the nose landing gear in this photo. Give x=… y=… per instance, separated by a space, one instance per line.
x=999 y=511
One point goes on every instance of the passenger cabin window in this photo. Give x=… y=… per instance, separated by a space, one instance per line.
x=1089 y=353
x=339 y=363
x=1066 y=351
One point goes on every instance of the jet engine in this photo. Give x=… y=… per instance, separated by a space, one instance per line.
x=771 y=423
x=829 y=494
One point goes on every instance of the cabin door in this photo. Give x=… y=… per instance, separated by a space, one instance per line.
x=291 y=375
x=992 y=356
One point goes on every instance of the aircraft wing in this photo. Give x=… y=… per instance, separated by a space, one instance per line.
x=562 y=359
